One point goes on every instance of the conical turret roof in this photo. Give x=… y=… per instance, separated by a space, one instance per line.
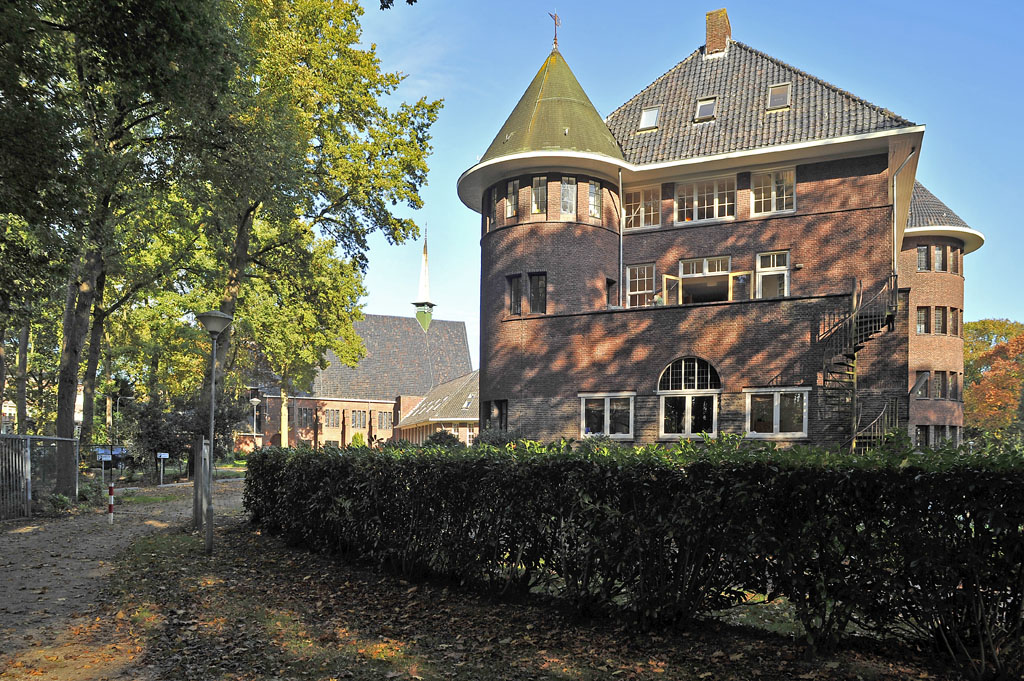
x=554 y=114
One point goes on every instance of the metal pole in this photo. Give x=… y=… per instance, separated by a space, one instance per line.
x=208 y=520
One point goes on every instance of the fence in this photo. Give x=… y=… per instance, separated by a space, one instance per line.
x=15 y=478
x=28 y=470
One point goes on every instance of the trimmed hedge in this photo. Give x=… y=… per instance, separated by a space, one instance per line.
x=924 y=546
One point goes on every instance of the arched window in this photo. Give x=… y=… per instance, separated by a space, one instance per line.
x=689 y=388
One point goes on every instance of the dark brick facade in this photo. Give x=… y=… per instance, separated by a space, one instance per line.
x=838 y=234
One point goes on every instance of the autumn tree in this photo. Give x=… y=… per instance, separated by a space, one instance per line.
x=993 y=401
x=979 y=338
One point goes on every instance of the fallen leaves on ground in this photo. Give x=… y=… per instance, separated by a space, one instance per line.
x=257 y=609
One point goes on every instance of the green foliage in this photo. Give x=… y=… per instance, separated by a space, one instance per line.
x=58 y=503
x=929 y=546
x=980 y=337
x=445 y=440
x=358 y=440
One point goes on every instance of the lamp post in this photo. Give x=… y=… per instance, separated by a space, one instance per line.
x=214 y=322
x=255 y=402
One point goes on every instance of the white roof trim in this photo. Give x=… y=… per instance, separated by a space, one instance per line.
x=586 y=162
x=972 y=238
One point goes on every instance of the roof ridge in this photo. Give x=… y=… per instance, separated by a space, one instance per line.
x=649 y=86
x=845 y=93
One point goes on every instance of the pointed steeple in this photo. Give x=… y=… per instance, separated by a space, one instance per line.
x=424 y=308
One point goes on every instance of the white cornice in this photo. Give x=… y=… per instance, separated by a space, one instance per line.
x=475 y=180
x=972 y=238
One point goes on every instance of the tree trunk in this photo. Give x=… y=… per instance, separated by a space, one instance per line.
x=3 y=370
x=99 y=317
x=21 y=380
x=76 y=326
x=236 y=274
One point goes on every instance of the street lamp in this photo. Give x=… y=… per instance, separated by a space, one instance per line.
x=255 y=402
x=214 y=322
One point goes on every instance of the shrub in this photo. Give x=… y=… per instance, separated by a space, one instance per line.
x=445 y=439
x=927 y=545
x=358 y=440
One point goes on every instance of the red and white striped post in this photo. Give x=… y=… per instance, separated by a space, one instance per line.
x=110 y=505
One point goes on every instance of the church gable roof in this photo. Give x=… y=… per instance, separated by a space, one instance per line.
x=401 y=359
x=739 y=78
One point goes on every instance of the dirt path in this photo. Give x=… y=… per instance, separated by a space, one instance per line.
x=51 y=572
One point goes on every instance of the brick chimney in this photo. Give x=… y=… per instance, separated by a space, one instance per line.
x=719 y=31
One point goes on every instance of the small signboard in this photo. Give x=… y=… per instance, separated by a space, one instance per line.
x=163 y=455
x=103 y=457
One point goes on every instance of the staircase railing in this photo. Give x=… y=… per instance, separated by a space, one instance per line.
x=886 y=420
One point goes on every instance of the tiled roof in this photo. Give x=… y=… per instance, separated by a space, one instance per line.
x=926 y=210
x=739 y=78
x=454 y=400
x=400 y=359
x=554 y=114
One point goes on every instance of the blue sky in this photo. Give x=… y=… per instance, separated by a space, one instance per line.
x=955 y=67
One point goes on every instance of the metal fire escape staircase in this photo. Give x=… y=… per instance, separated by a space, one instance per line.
x=842 y=333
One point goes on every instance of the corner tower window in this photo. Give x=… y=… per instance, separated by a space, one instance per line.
x=539 y=196
x=515 y=294
x=569 y=197
x=649 y=118
x=538 y=293
x=689 y=388
x=512 y=199
x=595 y=199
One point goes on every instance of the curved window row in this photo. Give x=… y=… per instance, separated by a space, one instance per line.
x=515 y=201
x=939 y=258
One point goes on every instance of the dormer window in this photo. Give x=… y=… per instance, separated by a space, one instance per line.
x=778 y=96
x=649 y=118
x=705 y=109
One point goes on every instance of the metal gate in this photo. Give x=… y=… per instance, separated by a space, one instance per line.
x=28 y=469
x=15 y=477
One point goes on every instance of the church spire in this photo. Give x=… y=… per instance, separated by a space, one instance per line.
x=424 y=308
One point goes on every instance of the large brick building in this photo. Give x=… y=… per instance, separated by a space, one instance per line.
x=739 y=248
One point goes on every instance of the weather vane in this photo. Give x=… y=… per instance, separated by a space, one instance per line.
x=558 y=22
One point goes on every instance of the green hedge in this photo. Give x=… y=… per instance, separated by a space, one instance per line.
x=924 y=546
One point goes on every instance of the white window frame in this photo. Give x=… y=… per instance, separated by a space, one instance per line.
x=697 y=118
x=512 y=199
x=629 y=282
x=642 y=205
x=762 y=271
x=607 y=397
x=649 y=117
x=691 y=195
x=539 y=187
x=775 y=199
x=689 y=395
x=595 y=201
x=789 y=96
x=776 y=411
x=567 y=181
x=704 y=267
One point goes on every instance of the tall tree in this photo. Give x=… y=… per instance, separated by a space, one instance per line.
x=995 y=401
x=113 y=70
x=979 y=338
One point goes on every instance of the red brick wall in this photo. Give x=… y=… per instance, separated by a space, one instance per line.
x=933 y=352
x=840 y=231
